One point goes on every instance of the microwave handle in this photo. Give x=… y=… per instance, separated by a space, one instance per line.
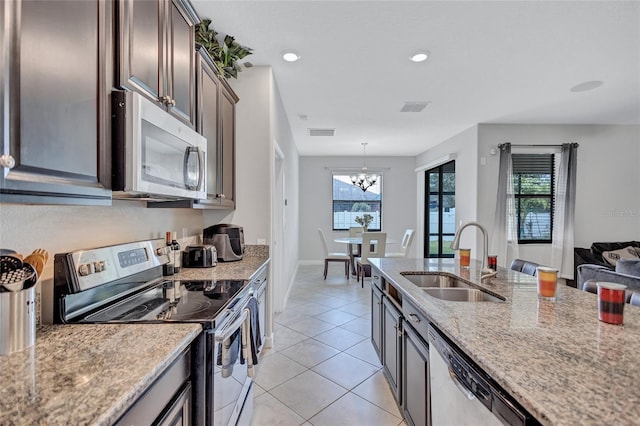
x=190 y=151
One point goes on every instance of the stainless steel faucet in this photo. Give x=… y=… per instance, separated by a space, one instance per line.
x=455 y=245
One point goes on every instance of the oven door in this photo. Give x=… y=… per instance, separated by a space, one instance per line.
x=231 y=382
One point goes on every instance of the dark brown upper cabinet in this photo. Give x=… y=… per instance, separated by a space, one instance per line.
x=227 y=172
x=215 y=120
x=208 y=101
x=156 y=53
x=54 y=107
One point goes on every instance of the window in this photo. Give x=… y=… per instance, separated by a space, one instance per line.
x=533 y=186
x=350 y=201
x=440 y=213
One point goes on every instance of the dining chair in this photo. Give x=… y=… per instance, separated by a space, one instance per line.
x=407 y=239
x=524 y=266
x=355 y=232
x=373 y=245
x=334 y=256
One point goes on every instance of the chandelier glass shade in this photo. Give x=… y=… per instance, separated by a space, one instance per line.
x=364 y=180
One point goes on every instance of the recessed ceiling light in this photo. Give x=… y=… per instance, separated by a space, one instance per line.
x=420 y=56
x=587 y=85
x=290 y=55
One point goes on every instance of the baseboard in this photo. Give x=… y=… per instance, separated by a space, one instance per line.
x=310 y=263
x=268 y=341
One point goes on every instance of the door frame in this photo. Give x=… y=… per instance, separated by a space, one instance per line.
x=278 y=287
x=420 y=228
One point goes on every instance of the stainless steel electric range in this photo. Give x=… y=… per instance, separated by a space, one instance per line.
x=124 y=284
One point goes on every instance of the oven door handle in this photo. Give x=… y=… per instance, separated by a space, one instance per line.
x=229 y=329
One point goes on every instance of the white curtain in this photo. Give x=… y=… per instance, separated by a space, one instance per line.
x=504 y=241
x=565 y=206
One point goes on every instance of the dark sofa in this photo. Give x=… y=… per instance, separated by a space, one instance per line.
x=593 y=256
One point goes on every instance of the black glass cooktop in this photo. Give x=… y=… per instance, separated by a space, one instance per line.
x=180 y=301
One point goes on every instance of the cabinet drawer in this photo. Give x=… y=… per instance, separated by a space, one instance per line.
x=160 y=394
x=376 y=278
x=416 y=319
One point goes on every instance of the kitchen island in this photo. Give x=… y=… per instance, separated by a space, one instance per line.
x=555 y=358
x=87 y=373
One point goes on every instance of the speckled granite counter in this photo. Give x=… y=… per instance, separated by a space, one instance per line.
x=562 y=364
x=254 y=258
x=86 y=374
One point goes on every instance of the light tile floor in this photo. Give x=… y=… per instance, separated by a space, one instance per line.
x=322 y=369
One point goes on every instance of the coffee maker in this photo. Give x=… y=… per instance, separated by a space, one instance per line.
x=228 y=240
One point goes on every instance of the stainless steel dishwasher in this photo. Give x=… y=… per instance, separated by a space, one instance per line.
x=463 y=394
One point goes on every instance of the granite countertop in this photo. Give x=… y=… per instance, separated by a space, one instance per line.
x=562 y=364
x=240 y=270
x=86 y=374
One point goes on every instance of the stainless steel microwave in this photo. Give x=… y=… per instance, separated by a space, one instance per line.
x=154 y=155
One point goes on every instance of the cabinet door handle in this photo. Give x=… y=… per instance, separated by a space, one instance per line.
x=167 y=100
x=414 y=317
x=7 y=160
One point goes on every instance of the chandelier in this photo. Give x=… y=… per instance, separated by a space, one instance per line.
x=363 y=180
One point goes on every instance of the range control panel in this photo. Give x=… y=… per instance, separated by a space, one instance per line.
x=105 y=264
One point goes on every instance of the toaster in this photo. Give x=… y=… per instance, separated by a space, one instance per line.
x=204 y=256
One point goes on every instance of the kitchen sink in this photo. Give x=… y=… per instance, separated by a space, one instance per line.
x=462 y=295
x=436 y=280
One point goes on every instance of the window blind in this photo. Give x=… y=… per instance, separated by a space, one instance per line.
x=532 y=163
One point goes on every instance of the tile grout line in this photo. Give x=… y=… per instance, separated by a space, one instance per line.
x=296 y=302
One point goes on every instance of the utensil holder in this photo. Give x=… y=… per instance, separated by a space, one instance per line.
x=17 y=320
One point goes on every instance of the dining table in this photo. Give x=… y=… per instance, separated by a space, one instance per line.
x=357 y=241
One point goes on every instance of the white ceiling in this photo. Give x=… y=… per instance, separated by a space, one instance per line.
x=491 y=62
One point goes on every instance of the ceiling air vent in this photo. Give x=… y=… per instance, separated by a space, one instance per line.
x=414 y=106
x=322 y=132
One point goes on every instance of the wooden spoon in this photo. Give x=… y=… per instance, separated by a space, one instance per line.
x=43 y=252
x=37 y=261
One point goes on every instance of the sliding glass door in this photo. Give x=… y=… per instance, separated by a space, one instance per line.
x=440 y=210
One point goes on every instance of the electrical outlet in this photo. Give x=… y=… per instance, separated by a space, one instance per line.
x=261 y=242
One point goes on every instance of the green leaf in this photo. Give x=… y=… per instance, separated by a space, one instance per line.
x=227 y=54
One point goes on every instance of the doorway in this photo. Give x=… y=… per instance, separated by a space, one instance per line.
x=440 y=210
x=278 y=222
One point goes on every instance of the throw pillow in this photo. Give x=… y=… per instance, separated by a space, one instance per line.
x=629 y=267
x=598 y=248
x=613 y=256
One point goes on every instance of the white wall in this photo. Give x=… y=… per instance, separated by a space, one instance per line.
x=261 y=122
x=608 y=178
x=398 y=200
x=284 y=138
x=253 y=148
x=464 y=147
x=60 y=229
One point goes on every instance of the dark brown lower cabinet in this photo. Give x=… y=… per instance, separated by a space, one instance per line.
x=392 y=346
x=415 y=378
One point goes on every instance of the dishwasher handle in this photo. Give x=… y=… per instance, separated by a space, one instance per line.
x=461 y=387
